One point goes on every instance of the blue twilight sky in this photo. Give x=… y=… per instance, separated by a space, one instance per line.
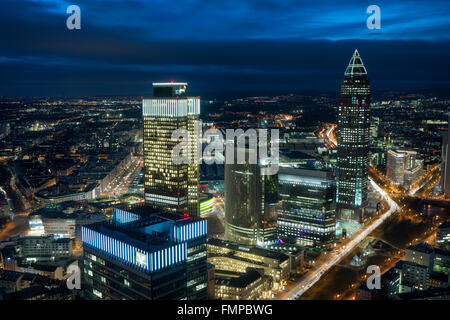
x=257 y=46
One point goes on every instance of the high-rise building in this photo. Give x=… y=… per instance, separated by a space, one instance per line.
x=403 y=167
x=445 y=164
x=353 y=141
x=248 y=214
x=307 y=215
x=145 y=254
x=395 y=168
x=168 y=185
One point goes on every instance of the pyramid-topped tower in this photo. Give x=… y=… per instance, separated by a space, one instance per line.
x=353 y=142
x=355 y=66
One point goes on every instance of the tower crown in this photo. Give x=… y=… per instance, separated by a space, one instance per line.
x=355 y=66
x=169 y=89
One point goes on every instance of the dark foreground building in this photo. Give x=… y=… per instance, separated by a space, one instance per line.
x=142 y=254
x=353 y=141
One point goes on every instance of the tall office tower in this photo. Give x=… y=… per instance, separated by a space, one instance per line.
x=249 y=218
x=445 y=164
x=353 y=141
x=145 y=254
x=307 y=215
x=170 y=186
x=403 y=167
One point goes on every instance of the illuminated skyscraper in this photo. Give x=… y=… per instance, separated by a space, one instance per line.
x=353 y=141
x=396 y=165
x=170 y=186
x=248 y=196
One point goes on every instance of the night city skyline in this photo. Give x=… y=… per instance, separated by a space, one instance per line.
x=228 y=159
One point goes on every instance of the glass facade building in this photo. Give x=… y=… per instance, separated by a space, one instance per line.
x=234 y=257
x=238 y=286
x=248 y=215
x=307 y=215
x=145 y=254
x=171 y=186
x=353 y=141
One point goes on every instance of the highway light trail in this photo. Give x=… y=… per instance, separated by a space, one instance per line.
x=328 y=135
x=339 y=254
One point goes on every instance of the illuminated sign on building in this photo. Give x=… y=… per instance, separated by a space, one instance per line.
x=141 y=259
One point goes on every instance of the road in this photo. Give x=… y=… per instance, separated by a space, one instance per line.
x=329 y=136
x=119 y=185
x=337 y=255
x=217 y=212
x=424 y=180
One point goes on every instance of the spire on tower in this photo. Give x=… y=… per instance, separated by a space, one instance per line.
x=355 y=66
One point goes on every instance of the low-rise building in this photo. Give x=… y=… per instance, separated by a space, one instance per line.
x=238 y=286
x=229 y=256
x=389 y=287
x=13 y=281
x=413 y=276
x=421 y=253
x=25 y=251
x=63 y=219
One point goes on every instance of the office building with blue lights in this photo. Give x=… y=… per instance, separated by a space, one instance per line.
x=142 y=253
x=249 y=196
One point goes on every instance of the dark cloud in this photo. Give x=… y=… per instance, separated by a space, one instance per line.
x=247 y=48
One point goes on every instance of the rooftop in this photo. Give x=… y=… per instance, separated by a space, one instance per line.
x=421 y=247
x=249 y=249
x=425 y=294
x=444 y=225
x=67 y=210
x=236 y=280
x=144 y=226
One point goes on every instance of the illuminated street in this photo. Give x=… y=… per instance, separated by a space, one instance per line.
x=337 y=255
x=195 y=151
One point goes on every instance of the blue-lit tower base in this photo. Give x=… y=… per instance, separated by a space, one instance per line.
x=145 y=254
